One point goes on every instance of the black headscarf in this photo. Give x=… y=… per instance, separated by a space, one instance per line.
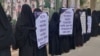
x=89 y=12
x=26 y=16
x=37 y=12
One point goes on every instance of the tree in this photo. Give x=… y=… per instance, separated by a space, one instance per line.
x=82 y=2
x=2 y=1
x=58 y=5
x=47 y=3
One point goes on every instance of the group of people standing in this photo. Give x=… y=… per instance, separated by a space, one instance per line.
x=59 y=44
x=24 y=37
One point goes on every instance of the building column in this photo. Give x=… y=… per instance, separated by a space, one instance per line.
x=77 y=5
x=71 y=3
x=92 y=4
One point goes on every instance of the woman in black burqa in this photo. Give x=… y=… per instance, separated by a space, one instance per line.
x=66 y=41
x=6 y=37
x=88 y=13
x=38 y=51
x=94 y=30
x=85 y=34
x=77 y=29
x=98 y=22
x=54 y=39
x=24 y=29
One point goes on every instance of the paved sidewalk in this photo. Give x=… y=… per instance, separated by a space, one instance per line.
x=91 y=48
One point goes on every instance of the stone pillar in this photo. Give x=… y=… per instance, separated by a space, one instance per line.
x=77 y=6
x=97 y=7
x=71 y=3
x=64 y=3
x=92 y=4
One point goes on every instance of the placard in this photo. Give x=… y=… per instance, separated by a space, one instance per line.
x=42 y=26
x=66 y=22
x=83 y=22
x=89 y=24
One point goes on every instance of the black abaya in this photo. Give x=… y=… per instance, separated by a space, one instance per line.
x=38 y=51
x=54 y=40
x=66 y=41
x=77 y=29
x=94 y=29
x=25 y=27
x=6 y=37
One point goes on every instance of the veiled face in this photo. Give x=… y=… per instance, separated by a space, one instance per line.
x=26 y=10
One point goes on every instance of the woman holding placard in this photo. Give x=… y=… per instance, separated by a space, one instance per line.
x=39 y=46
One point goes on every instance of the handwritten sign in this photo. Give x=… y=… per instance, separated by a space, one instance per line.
x=89 y=24
x=42 y=29
x=83 y=22
x=66 y=22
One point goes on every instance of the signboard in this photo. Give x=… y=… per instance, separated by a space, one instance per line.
x=89 y=24
x=66 y=22
x=42 y=25
x=83 y=22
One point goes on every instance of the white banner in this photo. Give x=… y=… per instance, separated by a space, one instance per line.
x=89 y=24
x=83 y=22
x=66 y=22
x=42 y=26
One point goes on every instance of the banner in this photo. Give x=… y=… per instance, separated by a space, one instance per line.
x=66 y=22
x=83 y=22
x=42 y=26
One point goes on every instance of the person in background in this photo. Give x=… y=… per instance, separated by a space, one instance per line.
x=37 y=51
x=89 y=23
x=6 y=36
x=94 y=30
x=77 y=29
x=54 y=39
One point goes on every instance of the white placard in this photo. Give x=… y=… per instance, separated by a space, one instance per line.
x=66 y=22
x=42 y=26
x=83 y=22
x=89 y=24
